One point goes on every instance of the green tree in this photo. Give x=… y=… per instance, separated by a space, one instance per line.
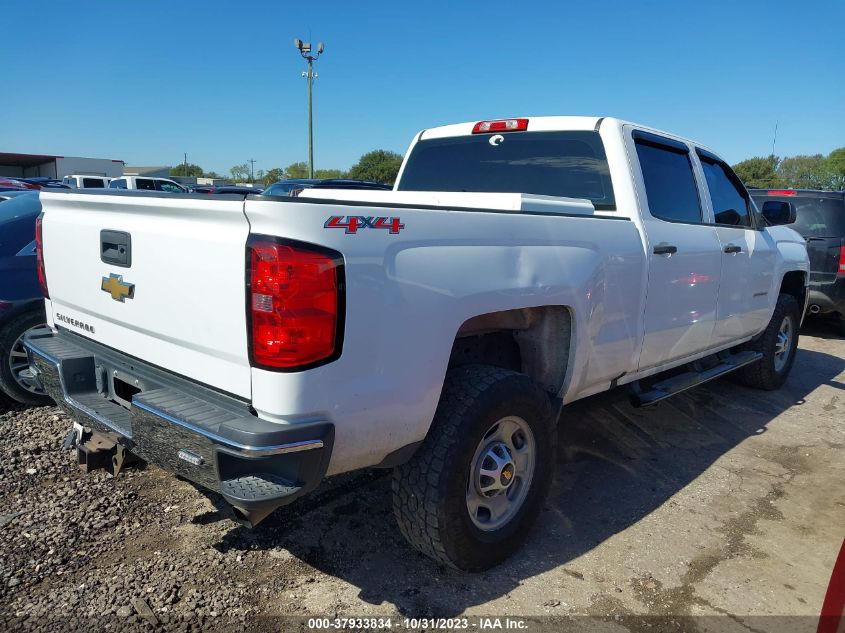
x=240 y=173
x=836 y=164
x=211 y=174
x=329 y=173
x=759 y=171
x=273 y=175
x=379 y=165
x=190 y=170
x=805 y=172
x=297 y=170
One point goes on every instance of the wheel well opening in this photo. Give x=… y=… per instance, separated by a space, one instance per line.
x=794 y=284
x=533 y=341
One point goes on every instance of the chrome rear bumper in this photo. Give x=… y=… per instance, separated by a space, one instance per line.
x=206 y=436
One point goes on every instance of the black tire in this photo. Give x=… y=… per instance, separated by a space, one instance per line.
x=765 y=374
x=9 y=334
x=430 y=491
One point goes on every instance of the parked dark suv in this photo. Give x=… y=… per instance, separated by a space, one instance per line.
x=821 y=221
x=21 y=301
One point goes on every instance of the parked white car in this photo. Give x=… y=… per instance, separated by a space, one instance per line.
x=82 y=181
x=147 y=184
x=255 y=346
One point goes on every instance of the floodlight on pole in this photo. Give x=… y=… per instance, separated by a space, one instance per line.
x=304 y=49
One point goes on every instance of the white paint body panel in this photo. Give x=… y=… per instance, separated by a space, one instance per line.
x=187 y=315
x=407 y=294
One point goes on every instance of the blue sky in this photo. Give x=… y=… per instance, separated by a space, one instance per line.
x=145 y=82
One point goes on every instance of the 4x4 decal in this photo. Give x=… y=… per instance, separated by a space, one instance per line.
x=354 y=223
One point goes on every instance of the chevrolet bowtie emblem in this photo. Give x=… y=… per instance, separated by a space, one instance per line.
x=117 y=288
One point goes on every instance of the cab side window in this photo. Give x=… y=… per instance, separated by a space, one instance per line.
x=169 y=187
x=731 y=206
x=145 y=183
x=669 y=180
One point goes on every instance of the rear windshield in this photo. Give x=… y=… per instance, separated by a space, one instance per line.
x=567 y=164
x=816 y=216
x=282 y=189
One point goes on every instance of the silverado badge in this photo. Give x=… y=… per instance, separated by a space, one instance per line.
x=117 y=288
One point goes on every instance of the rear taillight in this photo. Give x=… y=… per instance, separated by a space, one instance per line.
x=295 y=303
x=39 y=257
x=504 y=125
x=842 y=260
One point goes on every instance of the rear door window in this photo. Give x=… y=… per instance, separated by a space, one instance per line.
x=93 y=183
x=569 y=164
x=731 y=206
x=669 y=181
x=119 y=183
x=145 y=183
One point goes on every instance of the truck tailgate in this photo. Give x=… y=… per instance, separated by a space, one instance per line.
x=177 y=299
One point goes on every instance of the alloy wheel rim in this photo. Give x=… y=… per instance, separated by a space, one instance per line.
x=501 y=472
x=783 y=345
x=18 y=363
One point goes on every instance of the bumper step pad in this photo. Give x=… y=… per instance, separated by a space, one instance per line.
x=256 y=490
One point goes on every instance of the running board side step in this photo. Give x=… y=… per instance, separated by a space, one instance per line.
x=676 y=384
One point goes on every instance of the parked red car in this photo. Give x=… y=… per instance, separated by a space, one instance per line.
x=13 y=183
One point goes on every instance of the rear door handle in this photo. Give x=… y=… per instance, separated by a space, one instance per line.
x=733 y=248
x=665 y=249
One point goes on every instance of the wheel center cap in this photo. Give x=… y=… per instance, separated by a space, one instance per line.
x=506 y=478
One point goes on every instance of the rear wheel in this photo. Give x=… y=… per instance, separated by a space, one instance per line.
x=778 y=344
x=470 y=494
x=13 y=361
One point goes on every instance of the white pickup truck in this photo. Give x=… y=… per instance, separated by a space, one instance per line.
x=255 y=345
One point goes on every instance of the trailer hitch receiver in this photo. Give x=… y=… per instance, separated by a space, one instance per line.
x=98 y=450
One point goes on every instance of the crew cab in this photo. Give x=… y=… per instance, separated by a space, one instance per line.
x=147 y=183
x=255 y=346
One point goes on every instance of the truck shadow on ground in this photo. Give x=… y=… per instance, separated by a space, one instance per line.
x=616 y=465
x=822 y=327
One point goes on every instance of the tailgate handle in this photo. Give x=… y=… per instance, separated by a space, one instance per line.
x=116 y=248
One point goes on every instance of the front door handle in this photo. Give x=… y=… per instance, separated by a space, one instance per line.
x=733 y=248
x=665 y=249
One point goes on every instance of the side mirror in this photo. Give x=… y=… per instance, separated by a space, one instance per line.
x=729 y=216
x=776 y=212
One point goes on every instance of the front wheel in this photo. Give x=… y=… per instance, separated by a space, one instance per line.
x=470 y=494
x=778 y=343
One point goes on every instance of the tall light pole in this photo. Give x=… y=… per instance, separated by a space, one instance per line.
x=304 y=49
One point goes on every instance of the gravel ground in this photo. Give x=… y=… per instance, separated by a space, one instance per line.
x=722 y=501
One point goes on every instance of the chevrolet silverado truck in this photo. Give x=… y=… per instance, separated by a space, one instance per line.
x=256 y=344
